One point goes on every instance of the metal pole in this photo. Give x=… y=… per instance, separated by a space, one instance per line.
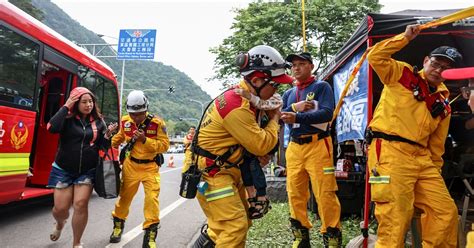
x=303 y=25
x=202 y=105
x=121 y=85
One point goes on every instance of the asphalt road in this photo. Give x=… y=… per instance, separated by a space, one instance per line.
x=28 y=224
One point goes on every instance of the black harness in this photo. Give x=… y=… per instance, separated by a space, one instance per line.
x=125 y=152
x=220 y=161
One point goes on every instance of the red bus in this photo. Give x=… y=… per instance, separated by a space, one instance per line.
x=38 y=69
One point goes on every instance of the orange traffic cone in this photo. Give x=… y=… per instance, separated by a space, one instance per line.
x=171 y=162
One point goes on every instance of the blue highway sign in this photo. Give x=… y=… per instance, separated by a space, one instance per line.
x=136 y=44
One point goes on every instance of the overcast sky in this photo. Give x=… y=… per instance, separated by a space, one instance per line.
x=187 y=29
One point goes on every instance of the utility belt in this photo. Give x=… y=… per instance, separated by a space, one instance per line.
x=370 y=135
x=309 y=139
x=158 y=160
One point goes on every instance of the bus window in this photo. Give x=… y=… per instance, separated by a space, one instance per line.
x=110 y=102
x=19 y=58
x=105 y=92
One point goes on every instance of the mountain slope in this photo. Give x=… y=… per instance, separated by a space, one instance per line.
x=138 y=74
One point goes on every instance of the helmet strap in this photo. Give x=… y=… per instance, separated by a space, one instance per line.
x=258 y=89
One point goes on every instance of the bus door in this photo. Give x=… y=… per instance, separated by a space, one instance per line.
x=55 y=84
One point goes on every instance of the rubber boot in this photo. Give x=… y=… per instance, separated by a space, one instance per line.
x=116 y=235
x=301 y=235
x=332 y=238
x=203 y=241
x=150 y=236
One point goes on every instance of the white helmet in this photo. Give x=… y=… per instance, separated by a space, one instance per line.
x=262 y=58
x=137 y=102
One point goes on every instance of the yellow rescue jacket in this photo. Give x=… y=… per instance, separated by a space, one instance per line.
x=398 y=112
x=230 y=120
x=157 y=140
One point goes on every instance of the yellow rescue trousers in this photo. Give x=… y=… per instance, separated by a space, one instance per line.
x=470 y=240
x=225 y=205
x=408 y=178
x=312 y=162
x=132 y=174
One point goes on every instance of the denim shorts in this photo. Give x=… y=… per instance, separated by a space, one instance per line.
x=61 y=179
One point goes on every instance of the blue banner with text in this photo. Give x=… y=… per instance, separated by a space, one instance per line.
x=352 y=119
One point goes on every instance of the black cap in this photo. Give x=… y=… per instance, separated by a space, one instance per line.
x=448 y=52
x=304 y=56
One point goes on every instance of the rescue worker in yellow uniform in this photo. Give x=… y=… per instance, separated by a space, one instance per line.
x=229 y=126
x=187 y=147
x=406 y=136
x=148 y=134
x=309 y=156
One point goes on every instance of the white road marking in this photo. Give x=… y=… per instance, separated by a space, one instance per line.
x=132 y=234
x=177 y=168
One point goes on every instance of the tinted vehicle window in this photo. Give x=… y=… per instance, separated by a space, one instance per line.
x=19 y=58
x=105 y=92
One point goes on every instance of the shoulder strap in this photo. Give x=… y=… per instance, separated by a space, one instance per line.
x=143 y=126
x=194 y=142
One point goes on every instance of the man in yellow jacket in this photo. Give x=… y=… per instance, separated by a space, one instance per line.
x=229 y=126
x=187 y=147
x=406 y=138
x=148 y=135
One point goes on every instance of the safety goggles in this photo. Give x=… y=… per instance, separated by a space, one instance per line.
x=436 y=65
x=466 y=92
x=136 y=107
x=269 y=81
x=274 y=85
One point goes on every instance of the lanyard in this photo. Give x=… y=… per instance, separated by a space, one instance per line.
x=297 y=95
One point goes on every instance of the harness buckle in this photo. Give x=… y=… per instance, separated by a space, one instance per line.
x=369 y=135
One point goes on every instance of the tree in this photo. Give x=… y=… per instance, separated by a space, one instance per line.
x=329 y=23
x=182 y=127
x=28 y=7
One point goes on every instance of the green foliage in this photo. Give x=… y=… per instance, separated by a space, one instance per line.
x=273 y=230
x=329 y=24
x=29 y=8
x=175 y=127
x=182 y=127
x=153 y=77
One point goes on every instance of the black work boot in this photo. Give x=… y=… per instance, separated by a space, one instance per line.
x=332 y=238
x=203 y=241
x=301 y=234
x=150 y=236
x=116 y=235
